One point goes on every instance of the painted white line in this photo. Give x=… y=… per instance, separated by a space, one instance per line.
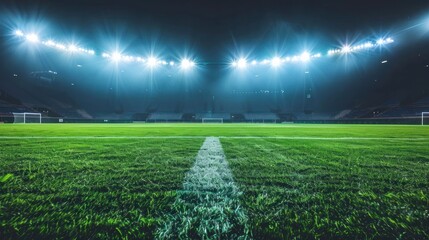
x=225 y=137
x=208 y=207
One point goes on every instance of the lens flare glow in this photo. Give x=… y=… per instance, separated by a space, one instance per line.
x=116 y=56
x=152 y=62
x=241 y=63
x=276 y=61
x=187 y=64
x=305 y=56
x=32 y=37
x=73 y=48
x=19 y=33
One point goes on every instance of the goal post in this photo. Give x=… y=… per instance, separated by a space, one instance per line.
x=424 y=115
x=212 y=120
x=27 y=117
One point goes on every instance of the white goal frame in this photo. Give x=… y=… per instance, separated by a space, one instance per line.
x=211 y=120
x=423 y=117
x=24 y=116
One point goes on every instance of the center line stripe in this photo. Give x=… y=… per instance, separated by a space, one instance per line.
x=208 y=207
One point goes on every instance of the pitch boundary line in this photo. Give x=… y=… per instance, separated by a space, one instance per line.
x=222 y=137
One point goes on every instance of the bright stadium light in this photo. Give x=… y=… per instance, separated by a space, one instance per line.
x=305 y=56
x=152 y=62
x=382 y=41
x=60 y=46
x=72 y=48
x=265 y=61
x=32 y=37
x=19 y=33
x=346 y=49
x=172 y=63
x=241 y=63
x=317 y=55
x=116 y=56
x=368 y=45
x=50 y=43
x=276 y=61
x=254 y=62
x=186 y=64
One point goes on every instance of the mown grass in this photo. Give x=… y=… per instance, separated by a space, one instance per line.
x=89 y=189
x=113 y=188
x=204 y=130
x=359 y=189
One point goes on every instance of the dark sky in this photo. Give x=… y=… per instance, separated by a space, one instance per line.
x=213 y=27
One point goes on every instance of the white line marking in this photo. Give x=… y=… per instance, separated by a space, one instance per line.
x=208 y=207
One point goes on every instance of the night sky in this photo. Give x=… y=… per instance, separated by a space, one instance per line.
x=212 y=27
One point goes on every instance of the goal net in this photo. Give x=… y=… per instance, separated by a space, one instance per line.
x=27 y=117
x=425 y=118
x=212 y=120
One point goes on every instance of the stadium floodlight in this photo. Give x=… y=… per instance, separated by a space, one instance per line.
x=346 y=49
x=50 y=43
x=116 y=56
x=127 y=58
x=60 y=46
x=152 y=62
x=265 y=61
x=187 y=64
x=305 y=56
x=19 y=33
x=140 y=59
x=172 y=63
x=317 y=55
x=368 y=45
x=72 y=48
x=334 y=51
x=276 y=61
x=241 y=63
x=382 y=41
x=32 y=37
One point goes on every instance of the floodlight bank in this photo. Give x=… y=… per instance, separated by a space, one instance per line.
x=208 y=207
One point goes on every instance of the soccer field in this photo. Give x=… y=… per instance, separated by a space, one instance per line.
x=214 y=181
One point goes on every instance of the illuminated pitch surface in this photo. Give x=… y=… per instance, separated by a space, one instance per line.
x=120 y=180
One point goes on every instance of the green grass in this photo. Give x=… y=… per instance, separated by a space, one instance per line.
x=90 y=189
x=203 y=130
x=333 y=189
x=306 y=188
